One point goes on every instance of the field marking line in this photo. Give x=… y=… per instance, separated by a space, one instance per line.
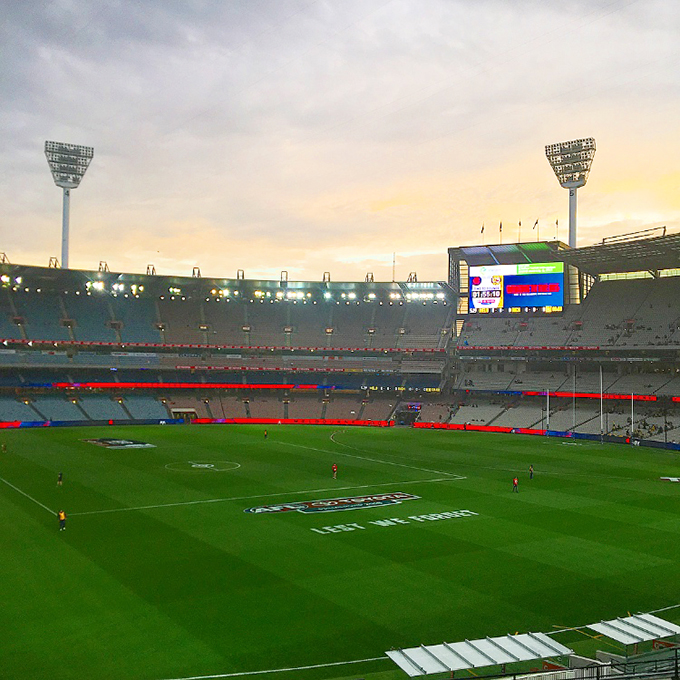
x=386 y=462
x=248 y=498
x=663 y=609
x=450 y=475
x=279 y=670
x=481 y=467
x=23 y=493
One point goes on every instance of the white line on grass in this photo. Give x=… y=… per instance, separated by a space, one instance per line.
x=480 y=467
x=450 y=475
x=23 y=493
x=248 y=498
x=279 y=670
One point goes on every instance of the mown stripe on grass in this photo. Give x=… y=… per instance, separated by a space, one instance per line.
x=23 y=493
x=266 y=495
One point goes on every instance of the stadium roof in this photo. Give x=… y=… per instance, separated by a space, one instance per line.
x=615 y=255
x=648 y=254
x=637 y=628
x=425 y=660
x=510 y=253
x=18 y=276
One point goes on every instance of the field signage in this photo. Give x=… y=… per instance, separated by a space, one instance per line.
x=120 y=443
x=395 y=521
x=334 y=504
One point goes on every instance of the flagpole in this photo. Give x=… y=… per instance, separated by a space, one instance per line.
x=547 y=409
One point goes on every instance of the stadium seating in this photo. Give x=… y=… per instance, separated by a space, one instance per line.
x=92 y=315
x=305 y=407
x=144 y=407
x=42 y=314
x=343 y=407
x=265 y=406
x=13 y=410
x=138 y=319
x=621 y=313
x=8 y=314
x=102 y=407
x=435 y=412
x=58 y=408
x=181 y=321
x=477 y=412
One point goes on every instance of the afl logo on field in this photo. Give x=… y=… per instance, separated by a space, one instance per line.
x=333 y=504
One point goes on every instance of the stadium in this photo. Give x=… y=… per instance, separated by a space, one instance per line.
x=194 y=423
x=471 y=473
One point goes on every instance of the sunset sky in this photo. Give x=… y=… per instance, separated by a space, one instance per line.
x=326 y=135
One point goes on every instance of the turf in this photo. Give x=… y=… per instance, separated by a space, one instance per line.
x=198 y=589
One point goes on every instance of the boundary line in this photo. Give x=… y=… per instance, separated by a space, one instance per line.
x=247 y=498
x=357 y=661
x=483 y=467
x=450 y=475
x=23 y=493
x=279 y=670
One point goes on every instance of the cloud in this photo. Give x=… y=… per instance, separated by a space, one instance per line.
x=326 y=135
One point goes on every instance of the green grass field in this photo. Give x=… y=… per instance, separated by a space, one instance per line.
x=146 y=583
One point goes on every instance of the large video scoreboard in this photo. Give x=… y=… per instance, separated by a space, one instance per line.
x=515 y=288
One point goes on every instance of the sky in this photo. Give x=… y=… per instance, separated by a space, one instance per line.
x=341 y=136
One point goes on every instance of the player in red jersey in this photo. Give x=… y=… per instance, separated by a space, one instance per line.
x=515 y=485
x=334 y=467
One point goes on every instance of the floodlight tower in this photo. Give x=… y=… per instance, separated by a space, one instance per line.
x=571 y=163
x=68 y=163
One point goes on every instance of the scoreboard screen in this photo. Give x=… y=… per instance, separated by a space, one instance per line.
x=515 y=288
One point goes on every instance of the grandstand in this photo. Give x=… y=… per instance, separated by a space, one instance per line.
x=83 y=346
x=614 y=341
x=99 y=346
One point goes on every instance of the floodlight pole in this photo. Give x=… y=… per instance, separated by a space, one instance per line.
x=64 y=227
x=572 y=217
x=68 y=163
x=571 y=162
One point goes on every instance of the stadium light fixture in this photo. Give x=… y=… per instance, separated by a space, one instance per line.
x=571 y=162
x=68 y=164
